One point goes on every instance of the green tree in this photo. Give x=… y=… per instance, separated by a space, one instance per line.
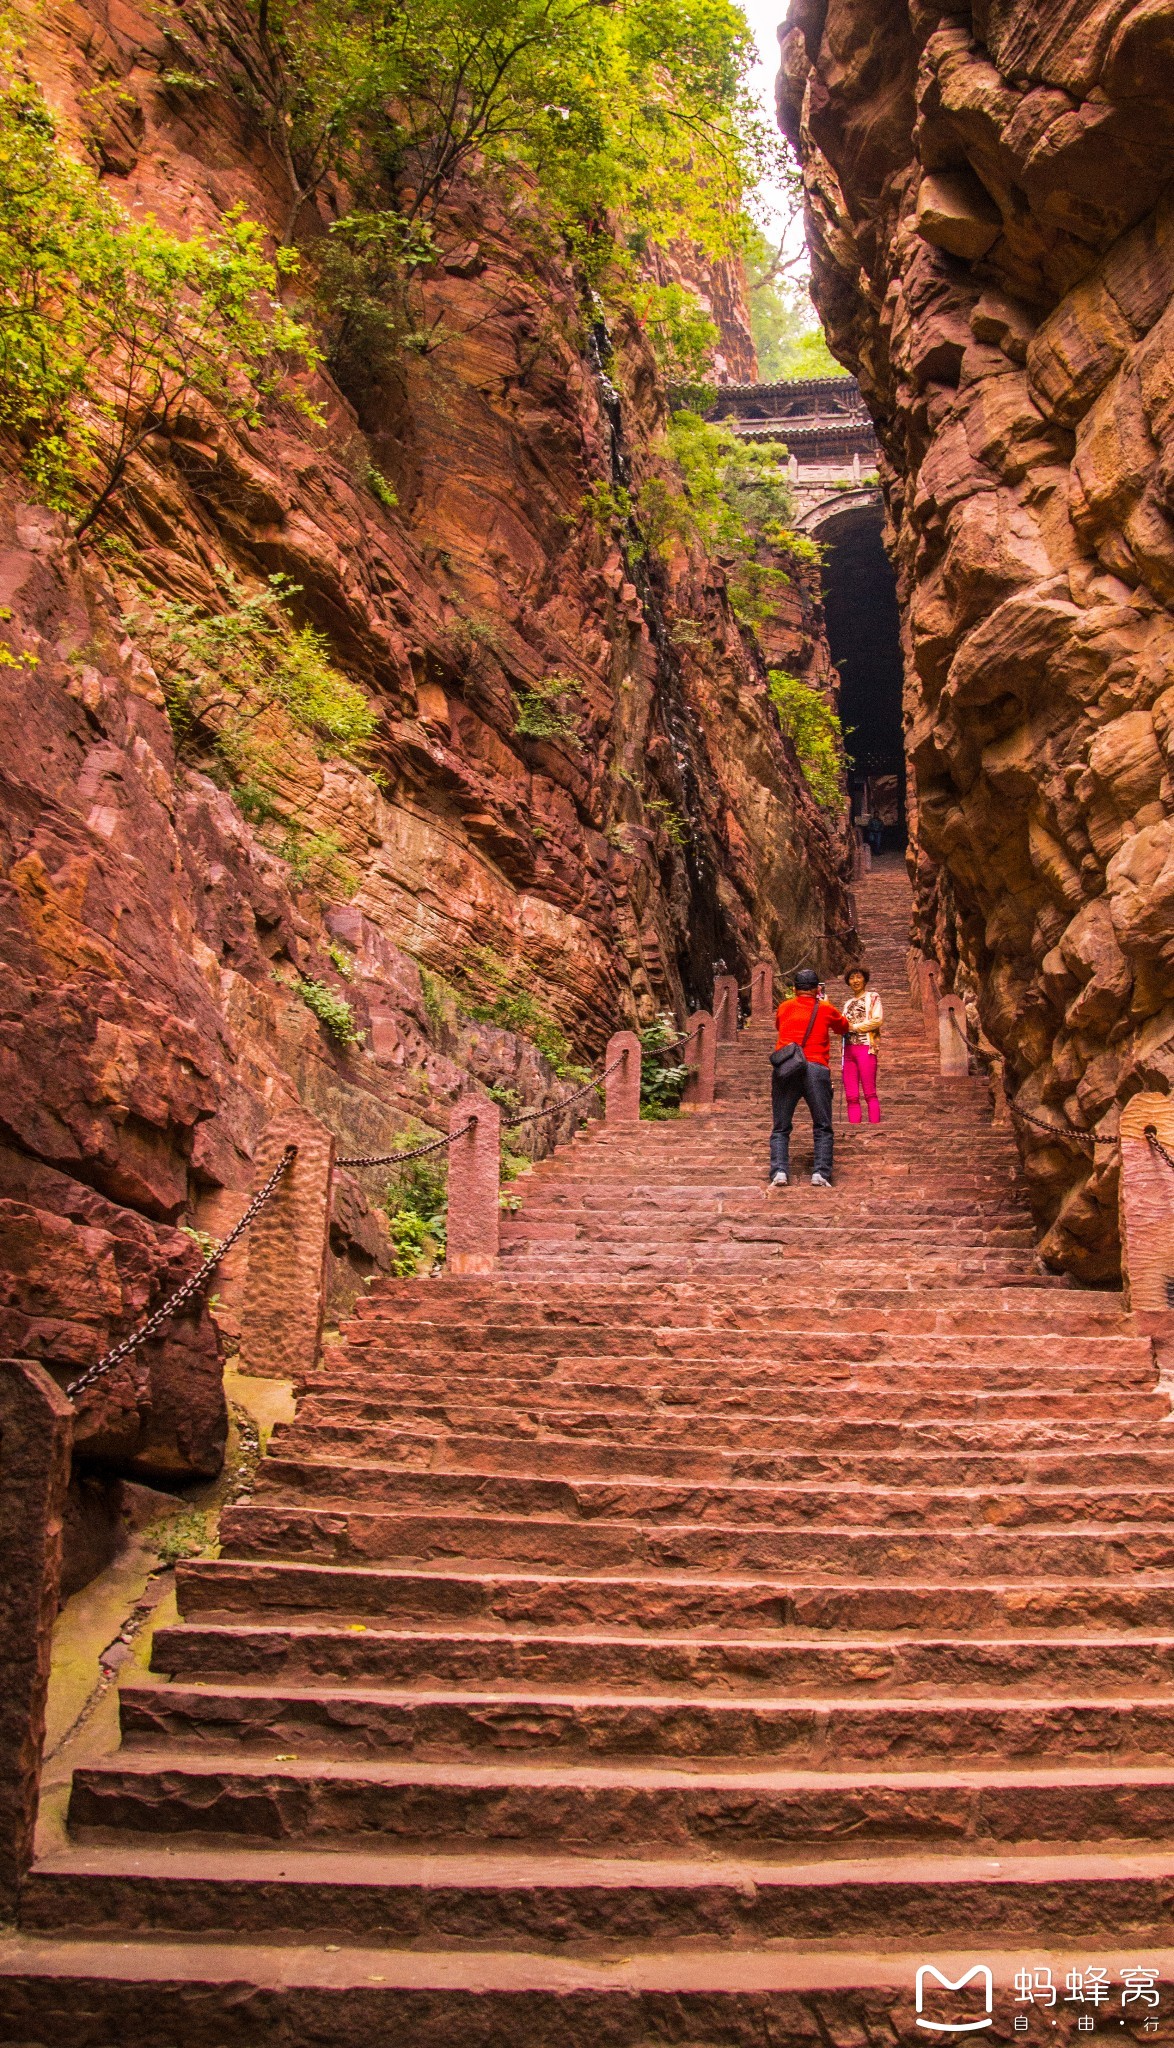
x=788 y=338
x=641 y=108
x=107 y=324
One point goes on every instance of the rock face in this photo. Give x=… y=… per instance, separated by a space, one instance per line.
x=993 y=252
x=156 y=941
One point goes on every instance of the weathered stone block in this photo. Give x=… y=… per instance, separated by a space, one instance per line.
x=1146 y=1203
x=36 y=1428
x=474 y=1186
x=622 y=1088
x=701 y=1058
x=285 y=1291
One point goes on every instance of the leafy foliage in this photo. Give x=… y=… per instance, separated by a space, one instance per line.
x=333 y=1011
x=364 y=268
x=811 y=724
x=682 y=336
x=108 y=324
x=737 y=503
x=668 y=817
x=513 y=1006
x=788 y=339
x=317 y=858
x=416 y=1203
x=539 y=713
x=637 y=109
x=661 y=1084
x=221 y=672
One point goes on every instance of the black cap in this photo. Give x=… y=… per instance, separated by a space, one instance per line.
x=807 y=978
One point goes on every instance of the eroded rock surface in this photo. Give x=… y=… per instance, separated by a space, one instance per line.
x=993 y=244
x=154 y=937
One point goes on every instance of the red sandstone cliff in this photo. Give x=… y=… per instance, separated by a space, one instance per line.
x=993 y=252
x=153 y=936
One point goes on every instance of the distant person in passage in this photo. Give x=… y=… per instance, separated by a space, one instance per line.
x=801 y=1073
x=865 y=1014
x=874 y=832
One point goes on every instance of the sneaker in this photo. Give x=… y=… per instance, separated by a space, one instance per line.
x=779 y=1180
x=820 y=1180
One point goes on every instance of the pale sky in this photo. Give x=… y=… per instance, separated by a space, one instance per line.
x=764 y=17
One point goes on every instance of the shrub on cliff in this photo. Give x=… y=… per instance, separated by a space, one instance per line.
x=736 y=502
x=221 y=671
x=816 y=734
x=108 y=324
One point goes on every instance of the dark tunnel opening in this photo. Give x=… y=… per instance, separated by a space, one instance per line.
x=860 y=603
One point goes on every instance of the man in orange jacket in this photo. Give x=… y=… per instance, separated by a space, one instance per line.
x=808 y=1021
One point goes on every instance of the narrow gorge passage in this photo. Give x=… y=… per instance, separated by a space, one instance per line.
x=864 y=635
x=742 y=1599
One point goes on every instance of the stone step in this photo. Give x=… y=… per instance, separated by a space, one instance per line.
x=928 y=1394
x=778 y=1505
x=340 y=1533
x=398 y=1900
x=1056 y=1666
x=419 y=1448
x=673 y=1377
x=656 y=1601
x=333 y=1720
x=631 y=1808
x=916 y=1336
x=1053 y=1314
x=235 y=1993
x=988 y=1421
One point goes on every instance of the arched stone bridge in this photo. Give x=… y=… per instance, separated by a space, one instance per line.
x=829 y=440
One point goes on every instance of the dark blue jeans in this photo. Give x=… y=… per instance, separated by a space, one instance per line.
x=813 y=1085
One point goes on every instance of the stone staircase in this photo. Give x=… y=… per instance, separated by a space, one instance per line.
x=744 y=1598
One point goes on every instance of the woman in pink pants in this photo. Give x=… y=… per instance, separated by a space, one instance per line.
x=865 y=1014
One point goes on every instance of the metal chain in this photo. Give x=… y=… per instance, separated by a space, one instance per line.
x=190 y=1287
x=535 y=1116
x=1053 y=1130
x=401 y=1158
x=516 y=1123
x=1157 y=1145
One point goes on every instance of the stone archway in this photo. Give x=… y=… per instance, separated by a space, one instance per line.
x=863 y=629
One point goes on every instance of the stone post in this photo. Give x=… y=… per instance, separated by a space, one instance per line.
x=1001 y=1108
x=701 y=1059
x=1145 y=1201
x=762 y=994
x=929 y=990
x=622 y=1089
x=285 y=1290
x=474 y=1187
x=912 y=957
x=36 y=1432
x=953 y=1046
x=725 y=1008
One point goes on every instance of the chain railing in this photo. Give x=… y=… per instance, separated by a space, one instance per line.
x=190 y=1287
x=416 y=1151
x=516 y=1123
x=1057 y=1132
x=1060 y=1133
x=1156 y=1145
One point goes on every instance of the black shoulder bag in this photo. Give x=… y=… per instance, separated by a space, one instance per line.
x=789 y=1061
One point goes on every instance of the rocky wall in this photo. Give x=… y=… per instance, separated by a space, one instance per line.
x=992 y=235
x=156 y=941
